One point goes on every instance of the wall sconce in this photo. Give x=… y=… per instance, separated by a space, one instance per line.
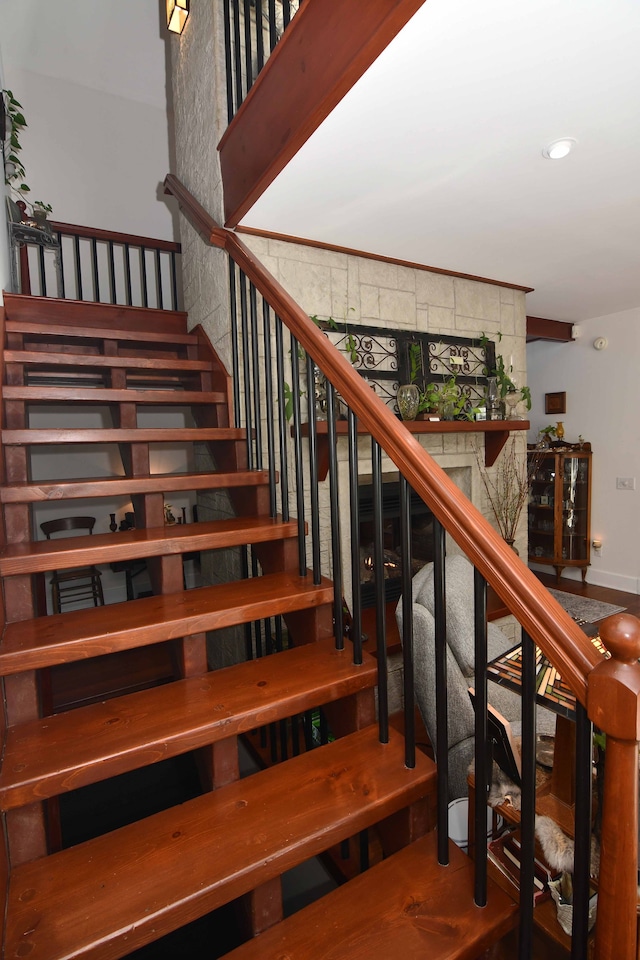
x=177 y=15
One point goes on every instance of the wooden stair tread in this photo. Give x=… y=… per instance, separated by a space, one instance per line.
x=111 y=895
x=407 y=906
x=116 y=486
x=121 y=435
x=96 y=333
x=49 y=756
x=91 y=632
x=47 y=394
x=43 y=555
x=48 y=359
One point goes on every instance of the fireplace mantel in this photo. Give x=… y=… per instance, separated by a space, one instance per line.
x=496 y=434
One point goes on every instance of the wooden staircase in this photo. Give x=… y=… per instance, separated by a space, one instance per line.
x=106 y=897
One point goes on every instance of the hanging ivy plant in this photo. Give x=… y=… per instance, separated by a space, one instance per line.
x=14 y=172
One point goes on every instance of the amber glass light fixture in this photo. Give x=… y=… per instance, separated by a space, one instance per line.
x=177 y=15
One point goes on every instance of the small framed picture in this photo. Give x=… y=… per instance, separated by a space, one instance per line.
x=555 y=402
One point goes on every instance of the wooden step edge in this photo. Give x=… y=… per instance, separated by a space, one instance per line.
x=44 y=555
x=89 y=314
x=408 y=906
x=48 y=359
x=47 y=757
x=121 y=435
x=135 y=884
x=91 y=632
x=32 y=327
x=118 y=486
x=42 y=394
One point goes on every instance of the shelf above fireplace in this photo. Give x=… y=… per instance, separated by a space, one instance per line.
x=496 y=434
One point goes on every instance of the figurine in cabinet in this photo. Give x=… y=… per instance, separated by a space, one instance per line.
x=560 y=507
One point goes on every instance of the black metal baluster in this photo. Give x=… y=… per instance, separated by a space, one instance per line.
x=160 y=298
x=582 y=855
x=174 y=281
x=248 y=636
x=112 y=271
x=268 y=387
x=407 y=624
x=259 y=36
x=42 y=272
x=363 y=845
x=237 y=52
x=286 y=13
x=378 y=566
x=233 y=310
x=354 y=518
x=248 y=46
x=78 y=267
x=127 y=274
x=336 y=554
x=528 y=799
x=244 y=334
x=279 y=636
x=61 y=292
x=255 y=370
x=313 y=471
x=282 y=420
x=144 y=288
x=284 y=739
x=442 y=712
x=297 y=450
x=481 y=763
x=273 y=30
x=228 y=59
x=94 y=268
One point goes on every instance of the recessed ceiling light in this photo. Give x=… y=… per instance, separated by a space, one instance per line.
x=558 y=149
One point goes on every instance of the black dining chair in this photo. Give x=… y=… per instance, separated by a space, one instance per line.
x=78 y=583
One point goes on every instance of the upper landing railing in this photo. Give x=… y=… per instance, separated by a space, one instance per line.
x=607 y=691
x=252 y=29
x=102 y=266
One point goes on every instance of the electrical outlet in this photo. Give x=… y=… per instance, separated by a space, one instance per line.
x=625 y=483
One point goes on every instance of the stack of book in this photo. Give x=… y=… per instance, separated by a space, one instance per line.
x=505 y=853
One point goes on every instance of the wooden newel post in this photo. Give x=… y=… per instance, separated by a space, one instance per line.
x=613 y=704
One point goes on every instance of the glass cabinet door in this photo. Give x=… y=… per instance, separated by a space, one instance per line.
x=575 y=507
x=542 y=504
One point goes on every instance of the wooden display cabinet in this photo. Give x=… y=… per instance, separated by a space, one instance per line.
x=560 y=507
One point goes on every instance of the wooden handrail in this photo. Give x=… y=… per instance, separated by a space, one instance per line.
x=95 y=233
x=561 y=639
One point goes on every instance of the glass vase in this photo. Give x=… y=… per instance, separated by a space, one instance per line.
x=408 y=400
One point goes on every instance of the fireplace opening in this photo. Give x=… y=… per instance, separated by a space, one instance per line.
x=421 y=540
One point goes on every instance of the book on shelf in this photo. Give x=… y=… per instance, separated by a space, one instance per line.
x=505 y=854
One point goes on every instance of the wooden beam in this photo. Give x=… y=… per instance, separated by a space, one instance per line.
x=322 y=54
x=540 y=329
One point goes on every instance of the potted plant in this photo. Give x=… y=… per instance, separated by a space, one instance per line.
x=40 y=212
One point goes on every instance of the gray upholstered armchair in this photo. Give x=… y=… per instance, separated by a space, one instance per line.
x=460 y=665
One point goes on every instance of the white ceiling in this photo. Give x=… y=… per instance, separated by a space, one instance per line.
x=436 y=155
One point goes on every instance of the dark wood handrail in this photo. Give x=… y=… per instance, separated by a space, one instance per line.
x=540 y=614
x=95 y=233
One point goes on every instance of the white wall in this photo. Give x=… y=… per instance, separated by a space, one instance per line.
x=91 y=80
x=603 y=399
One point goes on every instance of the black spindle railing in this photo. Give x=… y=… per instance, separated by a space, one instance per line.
x=252 y=28
x=481 y=757
x=528 y=798
x=442 y=733
x=87 y=263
